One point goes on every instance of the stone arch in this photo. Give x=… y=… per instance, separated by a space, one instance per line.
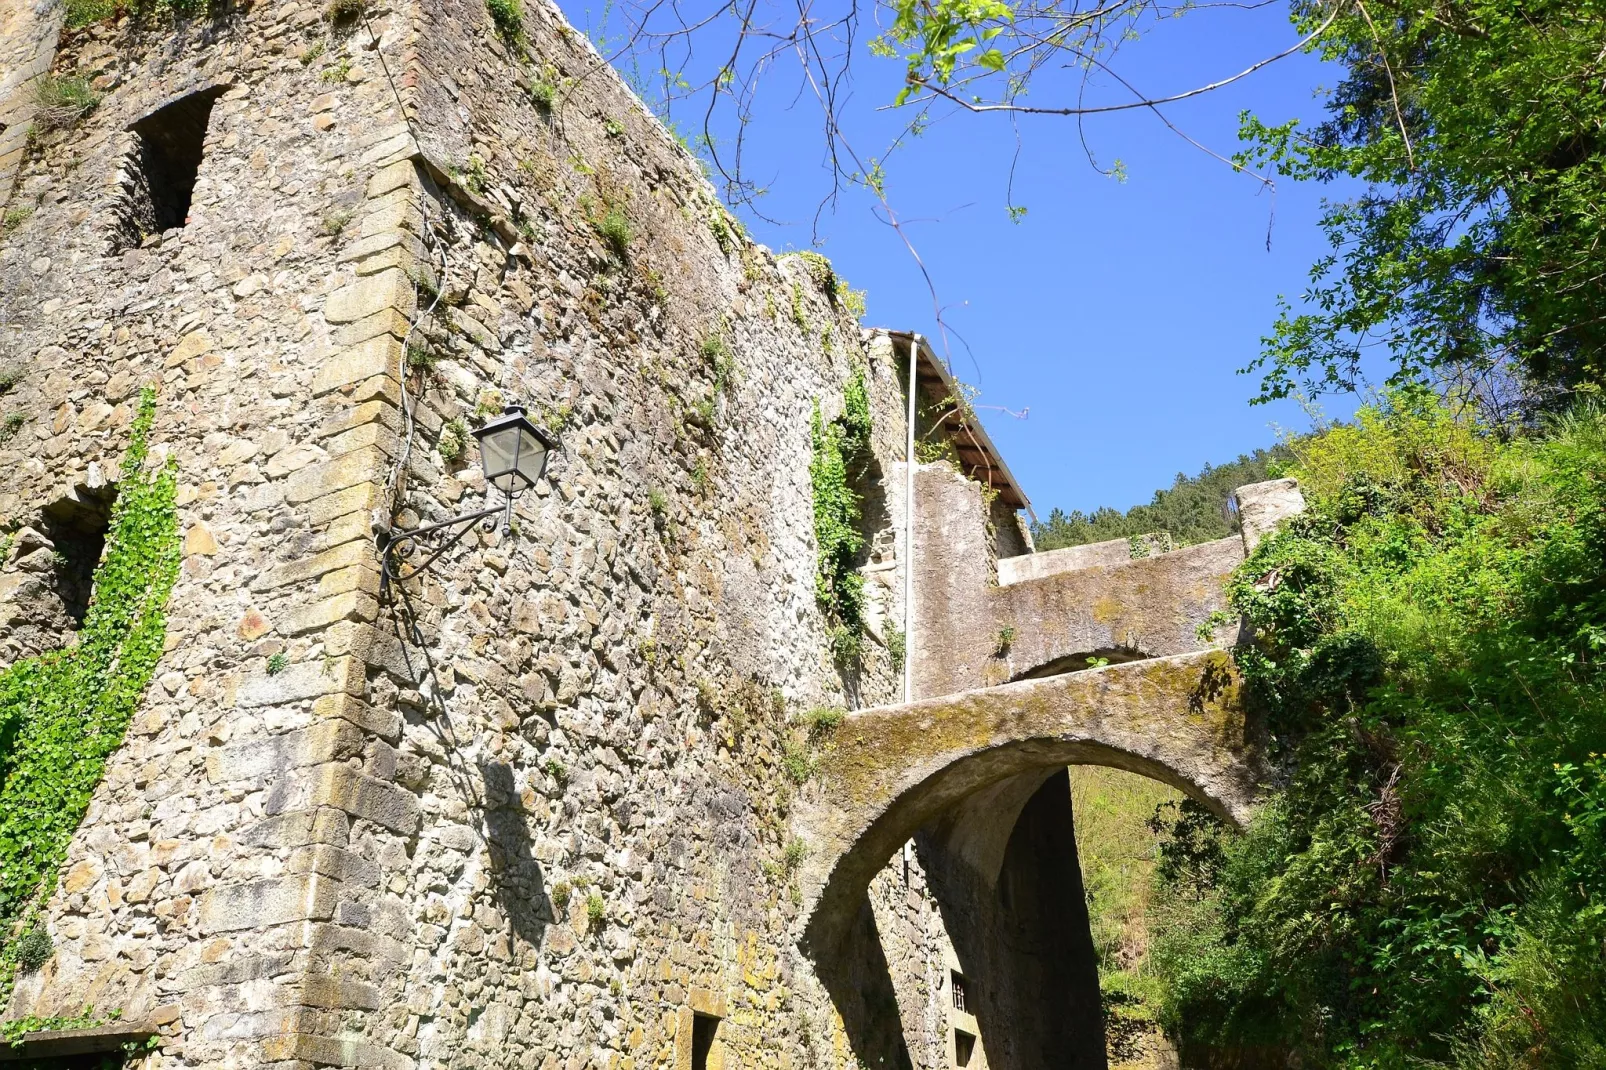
x=893 y=770
x=967 y=775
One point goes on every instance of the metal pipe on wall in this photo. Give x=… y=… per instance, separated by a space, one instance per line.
x=909 y=531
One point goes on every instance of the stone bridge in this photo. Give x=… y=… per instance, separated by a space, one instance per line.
x=975 y=775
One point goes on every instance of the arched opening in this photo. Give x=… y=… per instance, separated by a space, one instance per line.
x=1002 y=864
x=976 y=784
x=1081 y=662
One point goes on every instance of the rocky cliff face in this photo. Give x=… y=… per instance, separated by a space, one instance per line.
x=529 y=809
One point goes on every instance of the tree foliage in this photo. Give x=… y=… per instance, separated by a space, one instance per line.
x=1429 y=885
x=1193 y=509
x=1473 y=255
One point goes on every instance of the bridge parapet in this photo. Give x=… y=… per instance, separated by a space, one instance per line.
x=979 y=624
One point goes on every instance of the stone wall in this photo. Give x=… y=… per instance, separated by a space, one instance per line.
x=532 y=810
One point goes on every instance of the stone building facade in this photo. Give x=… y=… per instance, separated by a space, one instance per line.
x=531 y=810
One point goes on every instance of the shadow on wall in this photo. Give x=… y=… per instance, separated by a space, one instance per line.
x=517 y=879
x=859 y=981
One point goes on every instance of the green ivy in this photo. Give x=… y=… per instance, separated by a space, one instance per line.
x=838 y=586
x=64 y=713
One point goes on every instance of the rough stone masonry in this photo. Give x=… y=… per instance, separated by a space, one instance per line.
x=534 y=808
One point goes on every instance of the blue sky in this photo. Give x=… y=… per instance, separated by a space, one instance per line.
x=1116 y=312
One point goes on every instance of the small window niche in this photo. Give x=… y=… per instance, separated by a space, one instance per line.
x=960 y=995
x=158 y=180
x=704 y=1027
x=76 y=527
x=964 y=1047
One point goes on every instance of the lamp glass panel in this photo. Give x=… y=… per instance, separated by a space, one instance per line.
x=496 y=456
x=531 y=456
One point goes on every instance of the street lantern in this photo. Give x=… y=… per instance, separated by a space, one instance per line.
x=513 y=456
x=513 y=451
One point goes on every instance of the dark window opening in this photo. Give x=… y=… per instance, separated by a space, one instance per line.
x=159 y=176
x=960 y=995
x=964 y=1047
x=703 y=1028
x=76 y=527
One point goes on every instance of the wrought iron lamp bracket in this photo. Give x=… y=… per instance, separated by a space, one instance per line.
x=398 y=544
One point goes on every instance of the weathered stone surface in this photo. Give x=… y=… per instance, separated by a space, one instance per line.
x=264 y=903
x=1262 y=506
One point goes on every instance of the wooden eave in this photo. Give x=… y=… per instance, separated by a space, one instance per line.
x=978 y=457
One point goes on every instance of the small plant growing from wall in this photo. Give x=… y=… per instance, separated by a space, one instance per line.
x=796 y=762
x=556 y=770
x=543 y=94
x=596 y=911
x=897 y=647
x=824 y=720
x=615 y=229
x=454 y=439
x=33 y=948
x=277 y=663
x=63 y=101
x=561 y=893
x=796 y=852
x=11 y=425
x=14 y=218
x=340 y=12
x=1006 y=639
x=720 y=227
x=508 y=18
x=420 y=356
x=335 y=223
x=337 y=73
x=799 y=317
x=10 y=376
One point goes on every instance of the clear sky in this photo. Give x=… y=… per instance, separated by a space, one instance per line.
x=1116 y=312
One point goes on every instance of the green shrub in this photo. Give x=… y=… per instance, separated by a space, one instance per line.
x=453 y=441
x=543 y=94
x=823 y=720
x=84 y=12
x=14 y=218
x=614 y=227
x=63 y=101
x=508 y=17
x=796 y=762
x=340 y=11
x=596 y=911
x=33 y=948
x=1429 y=885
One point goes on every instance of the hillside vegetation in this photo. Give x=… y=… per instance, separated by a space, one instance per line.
x=1193 y=509
x=1428 y=886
